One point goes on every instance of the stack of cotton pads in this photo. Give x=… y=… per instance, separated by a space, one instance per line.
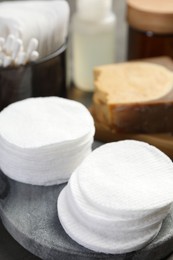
x=43 y=140
x=115 y=202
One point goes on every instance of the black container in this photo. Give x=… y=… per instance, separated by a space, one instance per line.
x=45 y=77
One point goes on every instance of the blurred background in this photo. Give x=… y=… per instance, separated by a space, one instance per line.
x=119 y=7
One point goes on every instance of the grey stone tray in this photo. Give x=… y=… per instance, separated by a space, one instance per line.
x=30 y=216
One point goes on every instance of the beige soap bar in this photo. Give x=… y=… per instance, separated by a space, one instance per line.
x=135 y=97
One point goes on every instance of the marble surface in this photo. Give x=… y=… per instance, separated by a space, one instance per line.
x=10 y=249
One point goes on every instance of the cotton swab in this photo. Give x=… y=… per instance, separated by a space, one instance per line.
x=16 y=49
x=34 y=56
x=12 y=51
x=21 y=59
x=2 y=41
x=8 y=46
x=33 y=45
x=2 y=57
x=7 y=61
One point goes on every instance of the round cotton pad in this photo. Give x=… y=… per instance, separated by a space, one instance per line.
x=43 y=140
x=37 y=122
x=118 y=243
x=96 y=217
x=129 y=177
x=117 y=198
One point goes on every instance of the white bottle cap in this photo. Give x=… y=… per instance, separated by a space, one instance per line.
x=93 y=10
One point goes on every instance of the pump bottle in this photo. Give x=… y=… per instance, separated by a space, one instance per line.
x=93 y=40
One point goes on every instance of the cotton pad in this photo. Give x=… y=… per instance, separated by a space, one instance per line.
x=118 y=243
x=117 y=198
x=43 y=140
x=95 y=216
x=128 y=167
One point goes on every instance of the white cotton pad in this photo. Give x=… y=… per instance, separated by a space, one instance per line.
x=129 y=177
x=118 y=243
x=98 y=218
x=39 y=122
x=117 y=198
x=43 y=140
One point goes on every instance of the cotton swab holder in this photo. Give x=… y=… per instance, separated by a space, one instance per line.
x=49 y=74
x=32 y=50
x=39 y=77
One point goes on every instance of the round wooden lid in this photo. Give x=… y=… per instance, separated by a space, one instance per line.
x=147 y=15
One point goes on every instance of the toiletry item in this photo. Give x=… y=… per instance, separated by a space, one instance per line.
x=134 y=97
x=43 y=140
x=32 y=33
x=150 y=28
x=93 y=40
x=13 y=54
x=16 y=22
x=116 y=200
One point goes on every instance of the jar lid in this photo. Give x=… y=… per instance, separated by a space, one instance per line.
x=148 y=15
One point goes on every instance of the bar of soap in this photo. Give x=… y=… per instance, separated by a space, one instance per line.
x=43 y=140
x=116 y=200
x=135 y=97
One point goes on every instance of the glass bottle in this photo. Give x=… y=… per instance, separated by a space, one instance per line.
x=93 y=40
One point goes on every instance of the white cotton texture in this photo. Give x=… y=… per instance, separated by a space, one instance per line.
x=47 y=21
x=116 y=200
x=43 y=140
